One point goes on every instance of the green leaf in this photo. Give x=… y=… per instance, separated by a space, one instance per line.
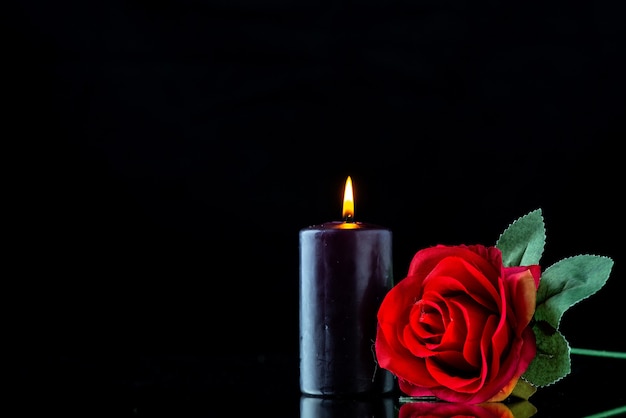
x=552 y=361
x=523 y=389
x=522 y=243
x=567 y=282
x=522 y=409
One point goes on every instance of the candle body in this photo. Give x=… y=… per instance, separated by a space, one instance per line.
x=344 y=276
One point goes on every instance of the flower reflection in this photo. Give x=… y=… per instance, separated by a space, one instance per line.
x=374 y=407
x=434 y=409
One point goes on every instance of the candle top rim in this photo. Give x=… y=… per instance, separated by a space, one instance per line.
x=340 y=226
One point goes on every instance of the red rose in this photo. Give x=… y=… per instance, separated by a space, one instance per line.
x=457 y=327
x=448 y=410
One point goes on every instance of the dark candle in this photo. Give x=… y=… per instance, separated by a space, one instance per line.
x=345 y=272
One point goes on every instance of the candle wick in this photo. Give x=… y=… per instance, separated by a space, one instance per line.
x=349 y=219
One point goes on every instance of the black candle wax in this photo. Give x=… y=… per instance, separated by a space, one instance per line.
x=345 y=272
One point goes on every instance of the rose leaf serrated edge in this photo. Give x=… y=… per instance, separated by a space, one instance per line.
x=522 y=242
x=552 y=361
x=567 y=282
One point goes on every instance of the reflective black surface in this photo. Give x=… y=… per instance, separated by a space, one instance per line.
x=224 y=385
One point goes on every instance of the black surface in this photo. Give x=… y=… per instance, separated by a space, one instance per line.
x=167 y=154
x=214 y=385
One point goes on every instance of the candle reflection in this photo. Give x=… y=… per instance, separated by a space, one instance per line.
x=372 y=407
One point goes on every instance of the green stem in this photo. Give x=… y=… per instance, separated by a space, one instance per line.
x=609 y=413
x=597 y=353
x=408 y=399
x=602 y=353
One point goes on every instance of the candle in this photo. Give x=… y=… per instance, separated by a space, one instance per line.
x=345 y=272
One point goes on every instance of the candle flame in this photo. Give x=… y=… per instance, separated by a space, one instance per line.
x=348 y=201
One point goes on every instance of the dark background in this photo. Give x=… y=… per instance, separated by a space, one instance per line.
x=169 y=152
